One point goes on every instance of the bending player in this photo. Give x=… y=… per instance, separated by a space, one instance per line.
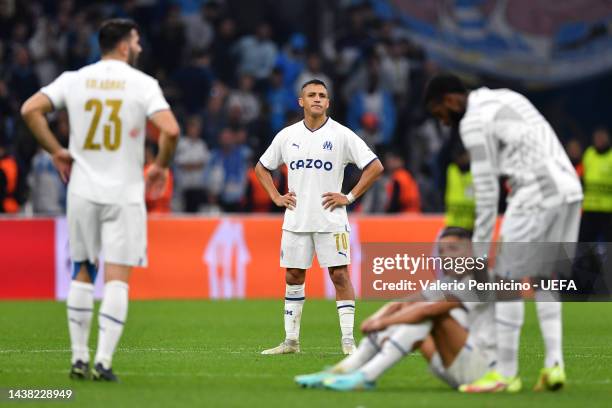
x=108 y=103
x=454 y=336
x=505 y=135
x=316 y=151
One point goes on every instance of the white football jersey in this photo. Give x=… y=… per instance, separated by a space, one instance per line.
x=315 y=161
x=108 y=103
x=507 y=136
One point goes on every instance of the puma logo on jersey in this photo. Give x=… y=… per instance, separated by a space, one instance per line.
x=311 y=164
x=343 y=254
x=296 y=145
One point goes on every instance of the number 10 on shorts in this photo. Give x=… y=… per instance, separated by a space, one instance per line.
x=341 y=238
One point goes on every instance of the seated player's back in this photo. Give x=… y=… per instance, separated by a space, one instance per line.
x=108 y=103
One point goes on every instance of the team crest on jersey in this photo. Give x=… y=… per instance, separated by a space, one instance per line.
x=327 y=145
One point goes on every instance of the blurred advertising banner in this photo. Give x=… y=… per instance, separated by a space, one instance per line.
x=27 y=259
x=190 y=258
x=238 y=258
x=536 y=41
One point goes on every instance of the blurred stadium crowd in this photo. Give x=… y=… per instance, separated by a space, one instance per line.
x=231 y=71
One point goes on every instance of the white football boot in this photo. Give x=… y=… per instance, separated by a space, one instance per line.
x=286 y=347
x=348 y=346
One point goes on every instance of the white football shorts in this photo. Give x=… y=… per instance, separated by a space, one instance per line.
x=119 y=230
x=469 y=365
x=547 y=228
x=298 y=249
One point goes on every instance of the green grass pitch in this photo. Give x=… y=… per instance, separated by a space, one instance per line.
x=204 y=353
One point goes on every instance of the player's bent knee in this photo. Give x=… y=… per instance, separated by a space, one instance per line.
x=117 y=272
x=340 y=276
x=295 y=276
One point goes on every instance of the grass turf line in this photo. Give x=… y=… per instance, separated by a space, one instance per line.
x=205 y=353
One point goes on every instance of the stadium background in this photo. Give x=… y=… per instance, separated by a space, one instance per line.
x=231 y=92
x=231 y=70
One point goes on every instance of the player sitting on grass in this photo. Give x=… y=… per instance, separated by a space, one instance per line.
x=457 y=353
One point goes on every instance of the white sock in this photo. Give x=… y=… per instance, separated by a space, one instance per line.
x=549 y=316
x=346 y=314
x=367 y=349
x=400 y=343
x=111 y=319
x=79 y=305
x=509 y=318
x=294 y=302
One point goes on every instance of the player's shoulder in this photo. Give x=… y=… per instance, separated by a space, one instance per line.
x=478 y=98
x=338 y=128
x=295 y=128
x=142 y=76
x=483 y=104
x=121 y=68
x=144 y=79
x=66 y=77
x=485 y=97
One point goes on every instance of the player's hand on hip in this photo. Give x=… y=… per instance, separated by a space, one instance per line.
x=155 y=180
x=332 y=201
x=288 y=201
x=63 y=163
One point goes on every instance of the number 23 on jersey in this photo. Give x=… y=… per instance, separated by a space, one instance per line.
x=112 y=129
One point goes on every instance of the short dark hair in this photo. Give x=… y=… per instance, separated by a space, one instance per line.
x=114 y=31
x=458 y=232
x=440 y=85
x=314 y=82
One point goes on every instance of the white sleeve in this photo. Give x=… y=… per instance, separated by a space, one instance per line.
x=56 y=91
x=154 y=99
x=483 y=165
x=357 y=151
x=273 y=156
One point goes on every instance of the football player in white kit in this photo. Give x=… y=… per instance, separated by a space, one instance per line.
x=108 y=104
x=505 y=135
x=453 y=332
x=316 y=150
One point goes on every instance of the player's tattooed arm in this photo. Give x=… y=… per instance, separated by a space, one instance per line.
x=265 y=178
x=33 y=112
x=332 y=201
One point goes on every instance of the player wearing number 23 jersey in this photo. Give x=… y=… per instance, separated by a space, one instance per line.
x=108 y=104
